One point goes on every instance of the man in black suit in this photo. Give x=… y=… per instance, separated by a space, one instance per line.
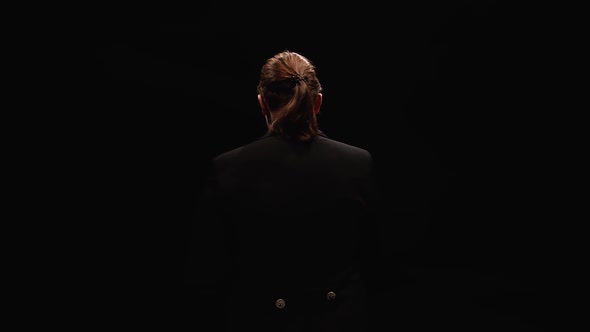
x=293 y=215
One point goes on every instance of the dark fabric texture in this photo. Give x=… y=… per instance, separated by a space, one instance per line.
x=284 y=220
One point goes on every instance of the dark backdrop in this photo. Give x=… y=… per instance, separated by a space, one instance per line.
x=443 y=94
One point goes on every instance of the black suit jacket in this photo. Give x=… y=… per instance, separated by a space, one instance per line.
x=285 y=221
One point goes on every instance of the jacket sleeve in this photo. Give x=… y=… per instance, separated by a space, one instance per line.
x=207 y=263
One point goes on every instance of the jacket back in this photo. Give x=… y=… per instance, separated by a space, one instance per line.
x=288 y=213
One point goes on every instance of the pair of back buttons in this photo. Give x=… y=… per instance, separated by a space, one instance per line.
x=280 y=303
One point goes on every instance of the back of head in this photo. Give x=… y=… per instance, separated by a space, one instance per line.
x=289 y=87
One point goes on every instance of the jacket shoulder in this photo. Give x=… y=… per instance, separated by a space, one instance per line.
x=344 y=148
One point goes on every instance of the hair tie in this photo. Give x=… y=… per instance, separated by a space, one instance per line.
x=295 y=79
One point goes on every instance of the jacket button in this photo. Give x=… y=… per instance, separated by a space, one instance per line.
x=280 y=303
x=331 y=296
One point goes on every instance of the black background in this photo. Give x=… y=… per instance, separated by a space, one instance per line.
x=446 y=95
